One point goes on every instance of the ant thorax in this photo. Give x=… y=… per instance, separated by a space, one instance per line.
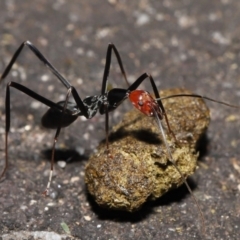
x=92 y=104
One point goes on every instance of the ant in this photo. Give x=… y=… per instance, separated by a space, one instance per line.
x=63 y=113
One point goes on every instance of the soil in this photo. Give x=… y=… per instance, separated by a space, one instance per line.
x=183 y=44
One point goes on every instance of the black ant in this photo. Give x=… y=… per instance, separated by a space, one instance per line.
x=63 y=113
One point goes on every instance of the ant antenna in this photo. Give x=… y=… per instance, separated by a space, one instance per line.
x=199 y=96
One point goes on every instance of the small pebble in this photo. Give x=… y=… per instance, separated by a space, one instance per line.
x=62 y=164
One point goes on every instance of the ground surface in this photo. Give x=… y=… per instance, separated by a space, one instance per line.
x=191 y=44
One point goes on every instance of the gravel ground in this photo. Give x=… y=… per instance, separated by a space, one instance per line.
x=190 y=44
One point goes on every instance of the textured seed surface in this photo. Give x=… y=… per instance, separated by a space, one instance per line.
x=137 y=168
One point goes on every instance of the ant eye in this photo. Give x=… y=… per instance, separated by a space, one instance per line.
x=140 y=103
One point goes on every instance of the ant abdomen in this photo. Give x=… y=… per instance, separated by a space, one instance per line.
x=54 y=118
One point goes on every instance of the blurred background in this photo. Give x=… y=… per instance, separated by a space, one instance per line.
x=186 y=44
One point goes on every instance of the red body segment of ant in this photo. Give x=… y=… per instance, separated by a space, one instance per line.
x=144 y=102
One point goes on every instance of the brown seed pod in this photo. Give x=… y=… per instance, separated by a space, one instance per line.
x=137 y=168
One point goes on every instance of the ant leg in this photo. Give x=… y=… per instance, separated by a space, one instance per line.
x=107 y=126
x=40 y=57
x=7 y=127
x=43 y=100
x=52 y=69
x=30 y=93
x=107 y=66
x=46 y=192
x=163 y=112
x=170 y=158
x=104 y=82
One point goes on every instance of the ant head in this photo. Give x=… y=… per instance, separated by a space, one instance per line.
x=144 y=102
